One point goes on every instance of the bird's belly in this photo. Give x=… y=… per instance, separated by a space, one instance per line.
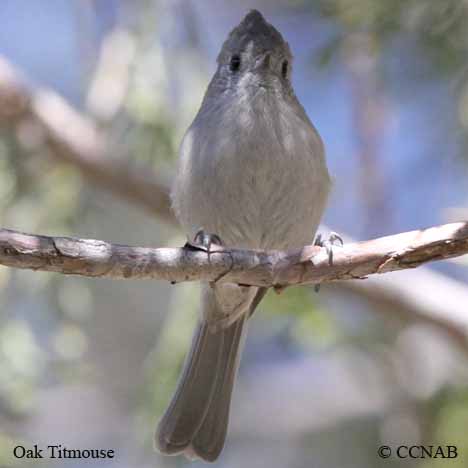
x=262 y=204
x=263 y=184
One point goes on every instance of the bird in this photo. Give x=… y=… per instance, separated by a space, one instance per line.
x=252 y=174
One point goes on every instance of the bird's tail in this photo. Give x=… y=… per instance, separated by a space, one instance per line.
x=195 y=423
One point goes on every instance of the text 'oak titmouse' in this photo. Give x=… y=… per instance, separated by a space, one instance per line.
x=252 y=170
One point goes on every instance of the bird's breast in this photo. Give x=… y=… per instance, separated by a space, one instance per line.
x=256 y=178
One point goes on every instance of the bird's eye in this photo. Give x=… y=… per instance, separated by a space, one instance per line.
x=234 y=65
x=284 y=69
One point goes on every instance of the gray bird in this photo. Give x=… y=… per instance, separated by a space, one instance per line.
x=252 y=170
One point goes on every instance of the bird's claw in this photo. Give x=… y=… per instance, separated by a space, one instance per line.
x=203 y=241
x=328 y=244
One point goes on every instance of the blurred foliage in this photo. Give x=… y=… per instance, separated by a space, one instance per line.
x=437 y=28
x=44 y=204
x=310 y=326
x=426 y=38
x=449 y=420
x=22 y=361
x=164 y=363
x=39 y=204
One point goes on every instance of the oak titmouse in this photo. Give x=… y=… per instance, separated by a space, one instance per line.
x=252 y=170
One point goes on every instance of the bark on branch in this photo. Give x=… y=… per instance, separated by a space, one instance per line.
x=96 y=258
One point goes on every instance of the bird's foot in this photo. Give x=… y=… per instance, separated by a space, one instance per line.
x=204 y=240
x=333 y=240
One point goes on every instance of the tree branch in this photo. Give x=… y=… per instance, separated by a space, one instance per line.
x=96 y=258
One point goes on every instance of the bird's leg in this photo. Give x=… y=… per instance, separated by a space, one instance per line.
x=328 y=244
x=203 y=241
